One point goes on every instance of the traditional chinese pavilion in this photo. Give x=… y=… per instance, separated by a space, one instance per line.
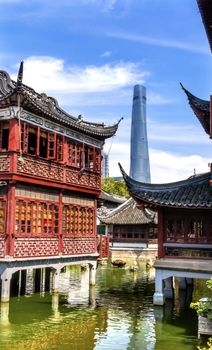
x=184 y=208
x=50 y=173
x=133 y=232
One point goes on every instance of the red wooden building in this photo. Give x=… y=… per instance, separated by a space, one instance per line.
x=184 y=208
x=50 y=173
x=133 y=232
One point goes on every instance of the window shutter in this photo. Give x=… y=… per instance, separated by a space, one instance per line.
x=52 y=145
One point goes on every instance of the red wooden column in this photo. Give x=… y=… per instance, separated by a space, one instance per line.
x=14 y=135
x=65 y=157
x=10 y=220
x=95 y=224
x=161 y=251
x=60 y=224
x=14 y=143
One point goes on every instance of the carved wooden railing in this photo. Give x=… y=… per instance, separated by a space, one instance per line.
x=46 y=169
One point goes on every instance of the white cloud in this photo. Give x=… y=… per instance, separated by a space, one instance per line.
x=160 y=42
x=106 y=54
x=168 y=167
x=157 y=99
x=165 y=166
x=52 y=75
x=105 y=85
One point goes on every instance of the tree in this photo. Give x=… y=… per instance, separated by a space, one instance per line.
x=115 y=187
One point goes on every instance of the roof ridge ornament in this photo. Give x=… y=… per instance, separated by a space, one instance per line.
x=6 y=84
x=20 y=75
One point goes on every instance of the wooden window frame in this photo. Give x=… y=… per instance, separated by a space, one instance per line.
x=75 y=151
x=51 y=139
x=39 y=213
x=3 y=213
x=81 y=221
x=195 y=224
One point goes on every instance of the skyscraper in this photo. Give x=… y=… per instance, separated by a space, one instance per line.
x=139 y=153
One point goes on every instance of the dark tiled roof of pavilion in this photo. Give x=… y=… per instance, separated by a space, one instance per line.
x=128 y=214
x=108 y=197
x=48 y=107
x=201 y=109
x=205 y=7
x=195 y=192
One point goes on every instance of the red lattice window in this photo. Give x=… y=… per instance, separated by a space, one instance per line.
x=60 y=142
x=2 y=216
x=97 y=163
x=36 y=218
x=78 y=221
x=89 y=153
x=75 y=154
x=24 y=137
x=40 y=142
x=51 y=154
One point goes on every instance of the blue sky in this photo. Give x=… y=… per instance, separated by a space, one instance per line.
x=90 y=53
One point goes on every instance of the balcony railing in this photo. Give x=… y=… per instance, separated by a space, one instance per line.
x=12 y=163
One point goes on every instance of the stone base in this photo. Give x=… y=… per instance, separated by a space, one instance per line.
x=158 y=299
x=127 y=253
x=204 y=326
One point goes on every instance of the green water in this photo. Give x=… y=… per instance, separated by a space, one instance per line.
x=116 y=314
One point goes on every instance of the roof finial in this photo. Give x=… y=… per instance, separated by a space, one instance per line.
x=120 y=120
x=20 y=74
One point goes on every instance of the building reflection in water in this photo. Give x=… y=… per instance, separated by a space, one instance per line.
x=117 y=313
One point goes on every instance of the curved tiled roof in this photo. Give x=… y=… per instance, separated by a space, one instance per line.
x=48 y=107
x=128 y=214
x=108 y=197
x=205 y=7
x=201 y=109
x=195 y=192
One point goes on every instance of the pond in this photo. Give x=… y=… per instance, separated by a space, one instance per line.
x=116 y=314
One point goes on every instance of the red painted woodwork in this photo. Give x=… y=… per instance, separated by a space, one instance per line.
x=104 y=247
x=10 y=225
x=161 y=251
x=185 y=226
x=25 y=247
x=185 y=233
x=14 y=136
x=44 y=169
x=2 y=247
x=79 y=246
x=134 y=233
x=32 y=227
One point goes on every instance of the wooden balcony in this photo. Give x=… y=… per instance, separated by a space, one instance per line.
x=45 y=172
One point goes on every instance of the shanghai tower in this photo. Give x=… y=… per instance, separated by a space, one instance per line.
x=139 y=153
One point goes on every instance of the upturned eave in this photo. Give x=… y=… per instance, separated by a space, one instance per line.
x=192 y=193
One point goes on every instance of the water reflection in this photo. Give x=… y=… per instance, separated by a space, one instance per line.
x=116 y=314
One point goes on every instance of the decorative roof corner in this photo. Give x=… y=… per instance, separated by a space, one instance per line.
x=194 y=192
x=6 y=84
x=201 y=109
x=46 y=106
x=205 y=8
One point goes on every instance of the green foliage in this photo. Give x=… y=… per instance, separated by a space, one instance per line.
x=204 y=308
x=209 y=345
x=115 y=187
